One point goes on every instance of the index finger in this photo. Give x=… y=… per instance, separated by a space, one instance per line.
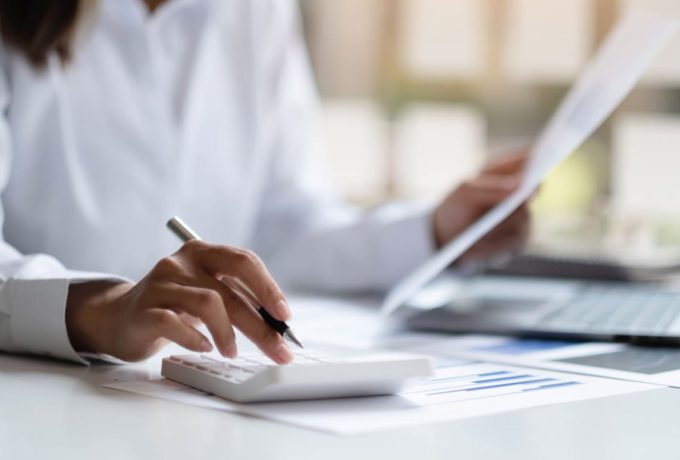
x=250 y=271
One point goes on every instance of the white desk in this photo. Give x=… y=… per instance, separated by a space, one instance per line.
x=56 y=410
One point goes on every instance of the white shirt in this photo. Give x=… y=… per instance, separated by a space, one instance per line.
x=205 y=109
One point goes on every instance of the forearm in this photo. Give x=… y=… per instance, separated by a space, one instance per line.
x=369 y=253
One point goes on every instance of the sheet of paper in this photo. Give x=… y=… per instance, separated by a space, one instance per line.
x=461 y=389
x=654 y=365
x=619 y=64
x=356 y=324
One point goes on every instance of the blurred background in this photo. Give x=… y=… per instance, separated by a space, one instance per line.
x=418 y=94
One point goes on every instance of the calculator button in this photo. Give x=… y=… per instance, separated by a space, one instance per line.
x=240 y=376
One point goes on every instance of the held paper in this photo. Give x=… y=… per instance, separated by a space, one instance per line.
x=619 y=64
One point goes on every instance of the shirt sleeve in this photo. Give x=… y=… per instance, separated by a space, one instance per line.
x=33 y=305
x=33 y=288
x=307 y=236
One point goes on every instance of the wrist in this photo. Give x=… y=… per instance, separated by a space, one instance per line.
x=89 y=313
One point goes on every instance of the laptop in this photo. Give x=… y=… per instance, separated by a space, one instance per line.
x=533 y=307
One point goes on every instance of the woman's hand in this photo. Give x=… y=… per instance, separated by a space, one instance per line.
x=474 y=198
x=132 y=322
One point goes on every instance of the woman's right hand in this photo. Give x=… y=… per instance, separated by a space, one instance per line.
x=218 y=286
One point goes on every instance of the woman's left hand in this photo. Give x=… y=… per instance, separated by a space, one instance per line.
x=474 y=198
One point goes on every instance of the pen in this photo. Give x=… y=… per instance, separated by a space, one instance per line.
x=185 y=233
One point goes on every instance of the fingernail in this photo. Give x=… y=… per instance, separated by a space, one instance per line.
x=206 y=346
x=282 y=309
x=232 y=351
x=283 y=355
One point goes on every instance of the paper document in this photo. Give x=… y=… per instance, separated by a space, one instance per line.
x=618 y=65
x=655 y=365
x=460 y=389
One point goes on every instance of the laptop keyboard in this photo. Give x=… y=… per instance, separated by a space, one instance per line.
x=616 y=309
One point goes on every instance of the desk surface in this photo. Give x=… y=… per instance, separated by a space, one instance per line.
x=56 y=410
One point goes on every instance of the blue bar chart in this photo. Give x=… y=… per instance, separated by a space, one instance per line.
x=471 y=380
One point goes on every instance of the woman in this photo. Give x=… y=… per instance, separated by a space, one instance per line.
x=121 y=113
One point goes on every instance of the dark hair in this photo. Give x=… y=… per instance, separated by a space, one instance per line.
x=36 y=28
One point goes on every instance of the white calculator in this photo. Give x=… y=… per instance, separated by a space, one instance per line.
x=254 y=378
